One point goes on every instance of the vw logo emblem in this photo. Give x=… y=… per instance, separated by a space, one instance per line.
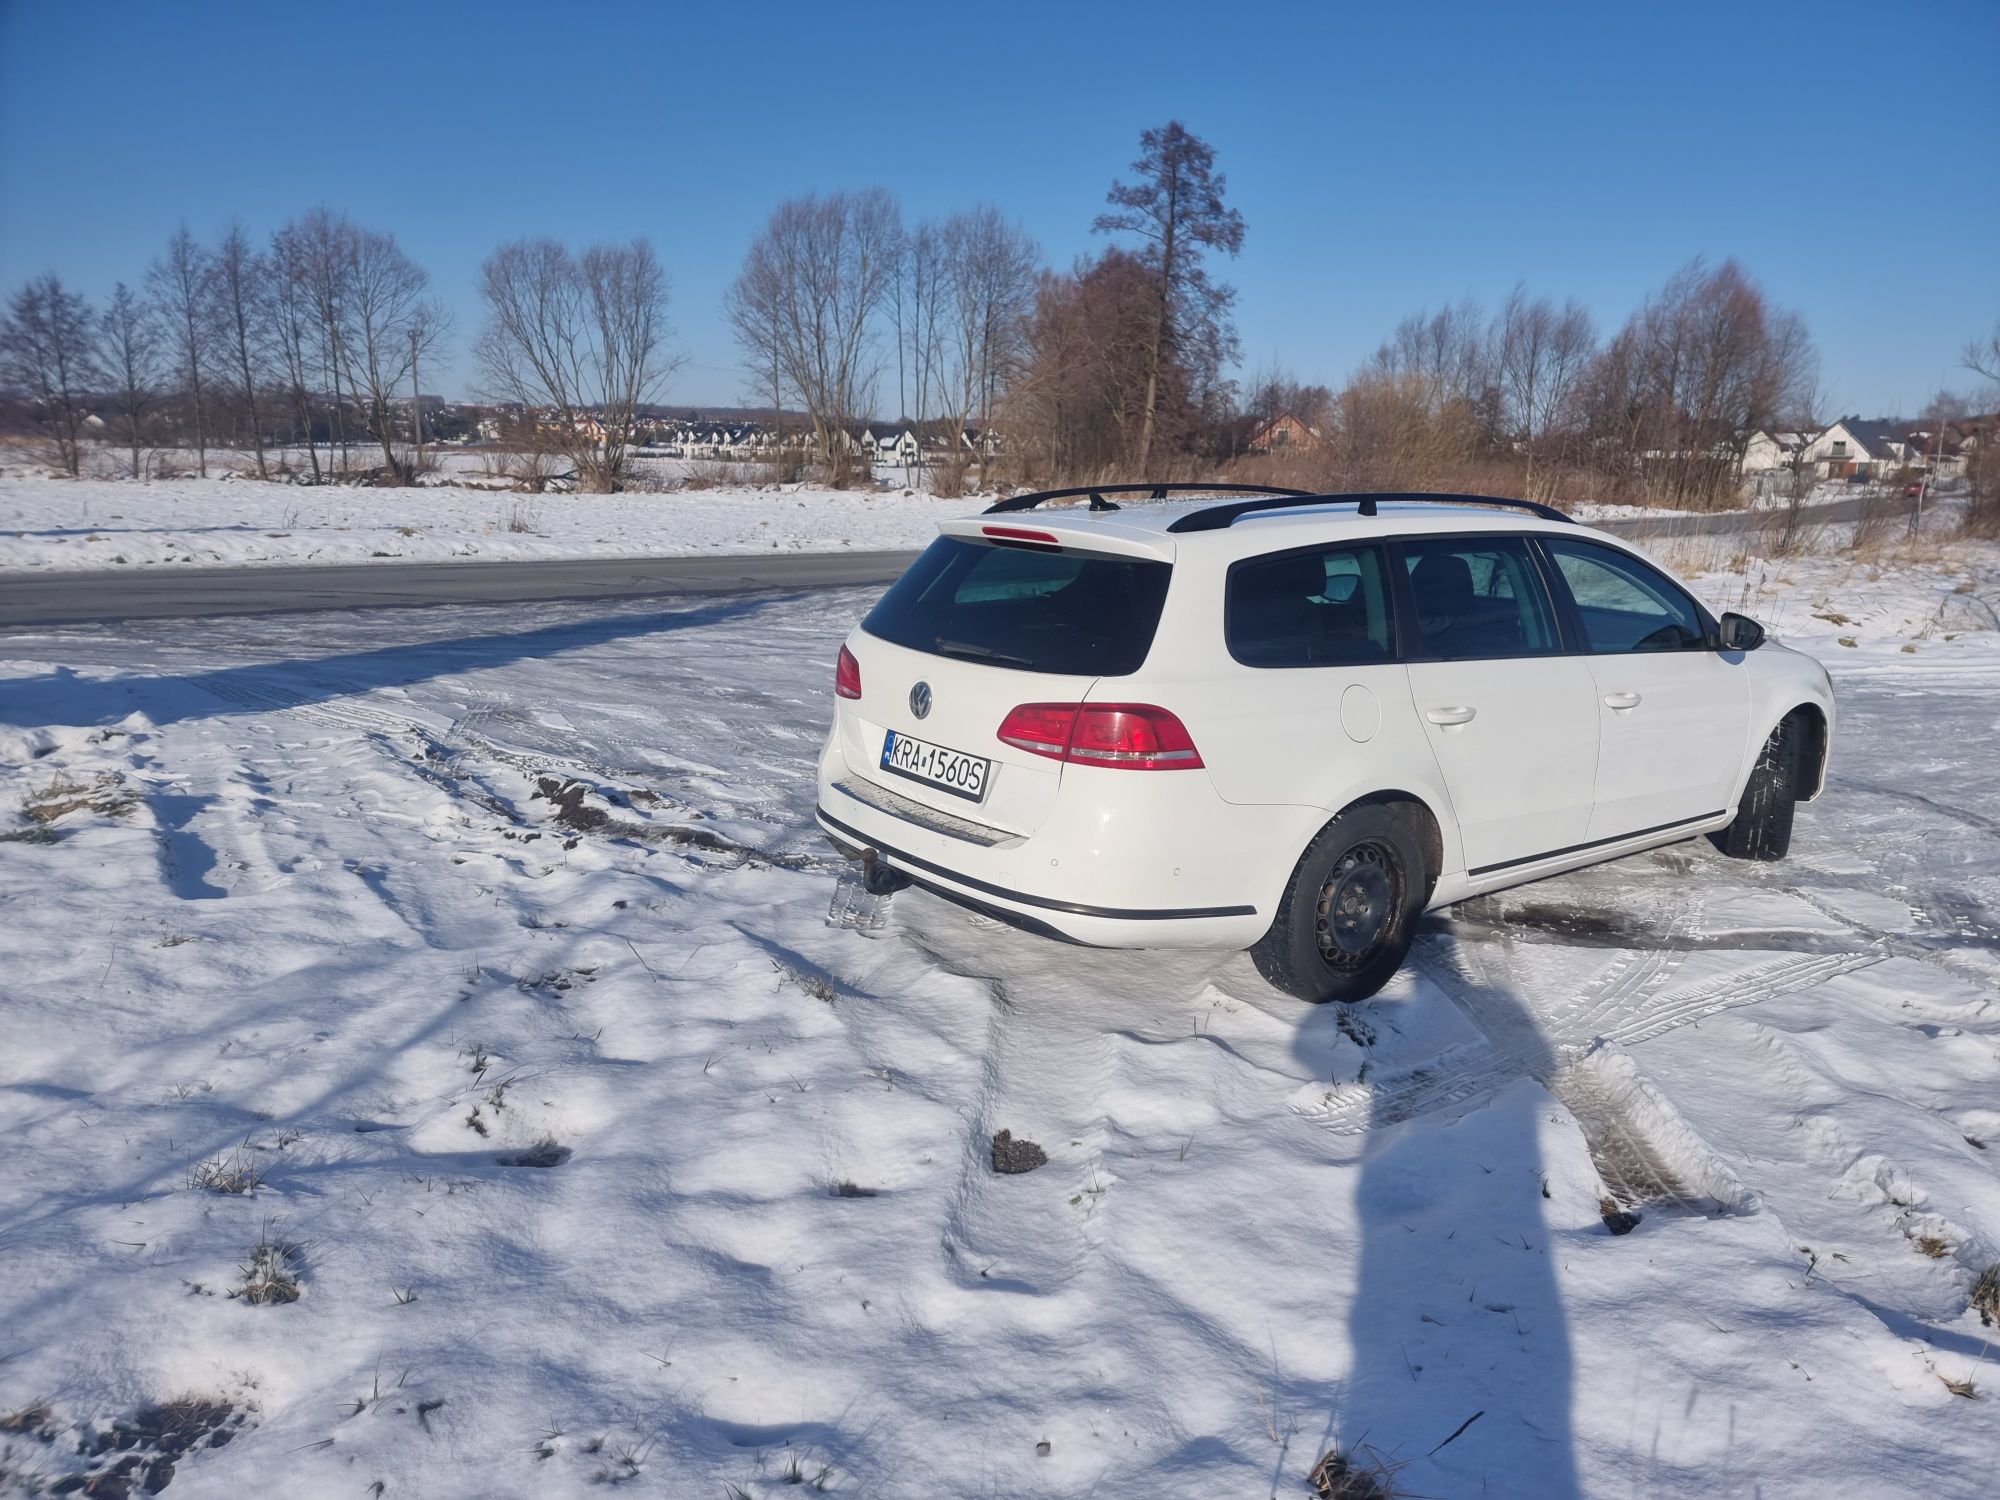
x=920 y=699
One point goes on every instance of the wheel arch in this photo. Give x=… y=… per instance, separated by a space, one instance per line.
x=1423 y=819
x=1813 y=737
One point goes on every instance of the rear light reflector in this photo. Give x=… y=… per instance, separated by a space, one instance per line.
x=1124 y=736
x=847 y=676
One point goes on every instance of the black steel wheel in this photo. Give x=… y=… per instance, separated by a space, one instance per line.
x=1349 y=914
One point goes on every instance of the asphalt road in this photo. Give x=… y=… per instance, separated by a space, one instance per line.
x=71 y=598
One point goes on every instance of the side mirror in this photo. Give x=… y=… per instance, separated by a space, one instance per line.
x=1740 y=633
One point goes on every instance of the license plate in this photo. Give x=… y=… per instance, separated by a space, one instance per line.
x=953 y=771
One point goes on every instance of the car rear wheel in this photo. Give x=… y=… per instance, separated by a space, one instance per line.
x=1763 y=826
x=1348 y=916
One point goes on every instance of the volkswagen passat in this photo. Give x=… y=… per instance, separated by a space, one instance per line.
x=1294 y=723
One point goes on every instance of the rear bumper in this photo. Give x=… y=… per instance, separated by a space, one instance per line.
x=854 y=825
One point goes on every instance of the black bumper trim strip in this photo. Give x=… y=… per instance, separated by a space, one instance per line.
x=1616 y=838
x=1073 y=908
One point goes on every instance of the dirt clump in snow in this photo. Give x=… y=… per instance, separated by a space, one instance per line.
x=1617 y=1220
x=1011 y=1157
x=138 y=1455
x=544 y=1153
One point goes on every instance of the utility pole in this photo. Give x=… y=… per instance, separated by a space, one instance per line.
x=416 y=409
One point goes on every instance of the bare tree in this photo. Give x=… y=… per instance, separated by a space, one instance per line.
x=240 y=273
x=182 y=285
x=325 y=244
x=131 y=341
x=1702 y=364
x=987 y=289
x=1540 y=354
x=1982 y=517
x=584 y=337
x=810 y=287
x=1080 y=401
x=1442 y=354
x=48 y=347
x=390 y=322
x=1984 y=359
x=921 y=293
x=1176 y=208
x=289 y=315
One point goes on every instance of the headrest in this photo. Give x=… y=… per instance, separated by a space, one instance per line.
x=1443 y=583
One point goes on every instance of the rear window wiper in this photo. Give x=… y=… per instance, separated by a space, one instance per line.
x=983 y=653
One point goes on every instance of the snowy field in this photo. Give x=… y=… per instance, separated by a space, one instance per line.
x=373 y=1101
x=54 y=525
x=51 y=524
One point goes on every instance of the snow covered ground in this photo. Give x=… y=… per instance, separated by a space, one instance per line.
x=562 y=1142
x=54 y=525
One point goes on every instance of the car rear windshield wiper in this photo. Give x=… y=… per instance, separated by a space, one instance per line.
x=982 y=653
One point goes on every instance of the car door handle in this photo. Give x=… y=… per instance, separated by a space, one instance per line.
x=1450 y=715
x=1621 y=701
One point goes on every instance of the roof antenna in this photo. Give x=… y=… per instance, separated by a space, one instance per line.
x=1098 y=502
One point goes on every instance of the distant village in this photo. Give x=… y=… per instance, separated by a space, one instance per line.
x=695 y=436
x=1851 y=448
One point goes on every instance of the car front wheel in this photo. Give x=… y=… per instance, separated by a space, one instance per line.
x=1763 y=826
x=1348 y=916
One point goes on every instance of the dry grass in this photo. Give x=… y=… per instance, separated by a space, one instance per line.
x=816 y=985
x=713 y=474
x=33 y=1419
x=1986 y=1296
x=270 y=1276
x=1357 y=1473
x=237 y=1173
x=104 y=794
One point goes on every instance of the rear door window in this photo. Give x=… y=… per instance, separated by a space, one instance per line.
x=1080 y=614
x=1323 y=608
x=1476 y=597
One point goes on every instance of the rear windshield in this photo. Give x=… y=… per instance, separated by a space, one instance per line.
x=1081 y=614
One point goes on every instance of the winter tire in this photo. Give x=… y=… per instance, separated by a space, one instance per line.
x=1763 y=826
x=1346 y=920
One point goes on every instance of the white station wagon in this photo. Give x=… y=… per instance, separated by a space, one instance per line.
x=1293 y=723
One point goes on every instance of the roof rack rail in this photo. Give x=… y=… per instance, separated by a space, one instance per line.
x=1097 y=492
x=1220 y=517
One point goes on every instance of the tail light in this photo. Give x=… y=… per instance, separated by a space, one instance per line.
x=1127 y=736
x=847 y=676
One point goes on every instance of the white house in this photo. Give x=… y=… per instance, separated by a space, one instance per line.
x=889 y=443
x=1768 y=451
x=1854 y=449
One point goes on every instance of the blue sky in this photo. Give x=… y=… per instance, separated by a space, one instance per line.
x=1386 y=158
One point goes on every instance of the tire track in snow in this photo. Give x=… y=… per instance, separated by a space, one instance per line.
x=1514 y=1045
x=1644 y=1152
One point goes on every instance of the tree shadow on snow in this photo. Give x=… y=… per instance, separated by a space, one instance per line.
x=63 y=698
x=1457 y=1318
